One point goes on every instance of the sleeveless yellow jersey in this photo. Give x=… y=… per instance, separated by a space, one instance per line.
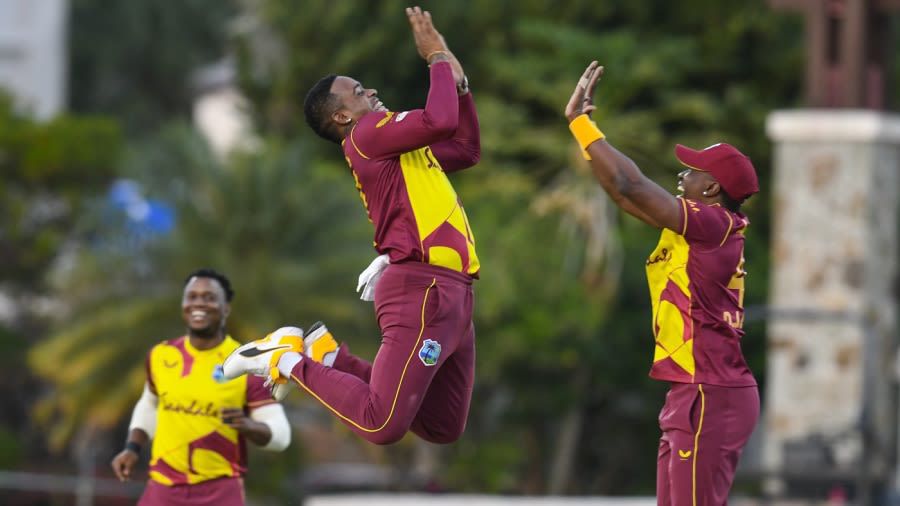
x=192 y=444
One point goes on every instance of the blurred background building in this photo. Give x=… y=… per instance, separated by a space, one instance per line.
x=33 y=54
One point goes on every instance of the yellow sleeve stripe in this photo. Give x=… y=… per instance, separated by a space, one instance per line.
x=412 y=354
x=385 y=119
x=354 y=143
x=730 y=226
x=685 y=216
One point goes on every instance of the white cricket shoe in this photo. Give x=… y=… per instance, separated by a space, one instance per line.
x=260 y=357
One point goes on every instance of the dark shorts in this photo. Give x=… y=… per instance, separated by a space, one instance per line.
x=704 y=429
x=219 y=492
x=422 y=377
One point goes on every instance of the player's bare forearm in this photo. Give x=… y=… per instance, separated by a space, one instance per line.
x=630 y=189
x=139 y=436
x=257 y=432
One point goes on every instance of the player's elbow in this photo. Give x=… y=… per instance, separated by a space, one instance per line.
x=473 y=156
x=442 y=126
x=467 y=158
x=626 y=187
x=280 y=440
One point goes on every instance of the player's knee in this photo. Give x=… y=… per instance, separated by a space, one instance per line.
x=387 y=436
x=443 y=437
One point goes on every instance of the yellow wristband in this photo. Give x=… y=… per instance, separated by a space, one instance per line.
x=585 y=132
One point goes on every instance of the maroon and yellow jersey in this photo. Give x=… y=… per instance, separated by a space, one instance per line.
x=696 y=280
x=192 y=443
x=400 y=161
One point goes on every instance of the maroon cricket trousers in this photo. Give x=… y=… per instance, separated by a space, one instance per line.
x=422 y=376
x=704 y=430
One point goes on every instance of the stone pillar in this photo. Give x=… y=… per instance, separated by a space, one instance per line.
x=833 y=326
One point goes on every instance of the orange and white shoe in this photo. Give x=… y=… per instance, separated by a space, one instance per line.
x=260 y=357
x=320 y=345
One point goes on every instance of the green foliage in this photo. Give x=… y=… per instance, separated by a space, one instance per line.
x=47 y=170
x=269 y=221
x=10 y=449
x=134 y=59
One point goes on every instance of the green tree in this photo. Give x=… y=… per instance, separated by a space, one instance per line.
x=48 y=172
x=268 y=220
x=134 y=59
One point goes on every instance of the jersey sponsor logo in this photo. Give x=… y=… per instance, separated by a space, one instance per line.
x=218 y=374
x=428 y=156
x=194 y=408
x=430 y=352
x=664 y=256
x=401 y=116
x=685 y=454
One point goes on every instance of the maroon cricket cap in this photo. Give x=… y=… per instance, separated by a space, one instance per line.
x=731 y=168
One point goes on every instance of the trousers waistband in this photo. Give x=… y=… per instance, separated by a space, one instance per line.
x=441 y=273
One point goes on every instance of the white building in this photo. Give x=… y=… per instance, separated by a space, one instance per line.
x=33 y=54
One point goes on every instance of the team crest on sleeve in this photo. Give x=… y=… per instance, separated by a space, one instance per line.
x=430 y=352
x=218 y=374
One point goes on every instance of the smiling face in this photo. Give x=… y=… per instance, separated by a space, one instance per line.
x=355 y=100
x=204 y=307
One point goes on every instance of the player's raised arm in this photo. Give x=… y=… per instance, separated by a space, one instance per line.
x=387 y=133
x=463 y=149
x=628 y=187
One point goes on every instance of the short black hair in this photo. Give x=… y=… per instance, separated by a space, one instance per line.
x=212 y=274
x=730 y=203
x=319 y=104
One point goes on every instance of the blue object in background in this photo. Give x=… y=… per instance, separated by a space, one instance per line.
x=134 y=220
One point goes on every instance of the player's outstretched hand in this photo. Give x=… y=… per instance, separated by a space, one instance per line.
x=431 y=44
x=429 y=41
x=582 y=99
x=123 y=463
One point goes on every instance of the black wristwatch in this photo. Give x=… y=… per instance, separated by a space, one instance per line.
x=134 y=447
x=463 y=87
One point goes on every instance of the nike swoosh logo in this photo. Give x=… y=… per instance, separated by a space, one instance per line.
x=252 y=352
